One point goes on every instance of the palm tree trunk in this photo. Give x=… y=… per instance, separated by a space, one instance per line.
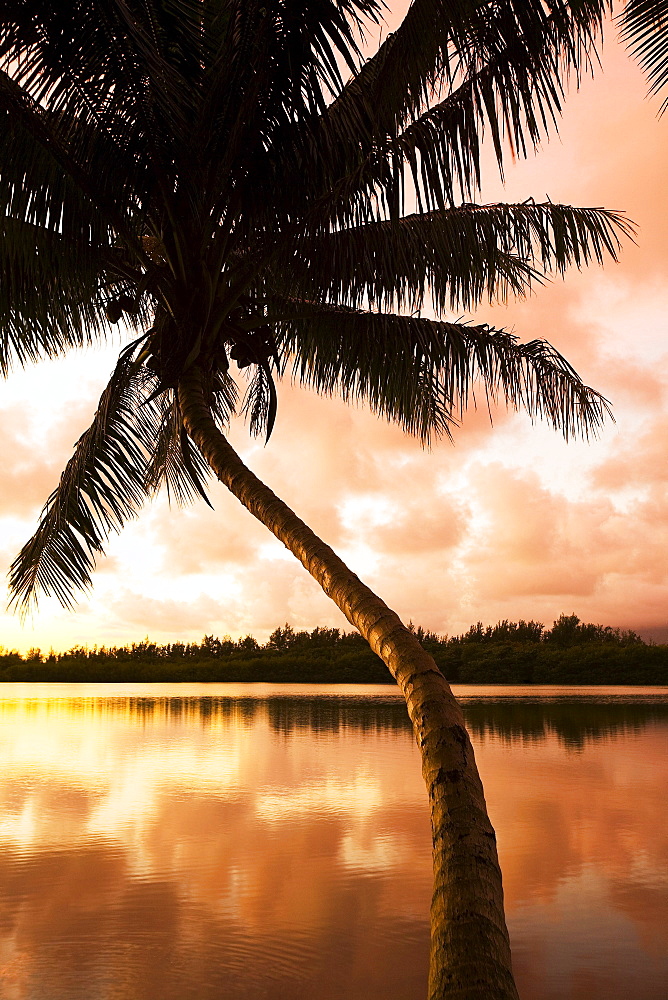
x=470 y=950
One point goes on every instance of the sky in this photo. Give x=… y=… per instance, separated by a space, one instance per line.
x=509 y=521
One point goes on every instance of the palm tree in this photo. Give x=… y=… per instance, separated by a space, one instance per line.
x=200 y=168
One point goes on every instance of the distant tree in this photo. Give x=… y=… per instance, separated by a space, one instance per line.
x=422 y=635
x=249 y=644
x=281 y=638
x=475 y=633
x=214 y=647
x=200 y=168
x=325 y=637
x=520 y=631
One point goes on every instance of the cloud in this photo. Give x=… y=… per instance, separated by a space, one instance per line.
x=555 y=545
x=199 y=540
x=639 y=461
x=33 y=457
x=417 y=529
x=168 y=617
x=534 y=541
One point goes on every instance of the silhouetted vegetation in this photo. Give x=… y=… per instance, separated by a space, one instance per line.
x=575 y=719
x=571 y=652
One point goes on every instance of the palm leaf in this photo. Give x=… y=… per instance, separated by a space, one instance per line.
x=175 y=461
x=102 y=486
x=95 y=85
x=50 y=294
x=456 y=255
x=644 y=25
x=422 y=373
x=442 y=41
x=499 y=67
x=54 y=164
x=260 y=402
x=55 y=288
x=107 y=61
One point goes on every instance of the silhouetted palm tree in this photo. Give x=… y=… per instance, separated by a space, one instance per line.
x=200 y=168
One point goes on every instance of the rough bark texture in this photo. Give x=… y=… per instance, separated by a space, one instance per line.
x=470 y=951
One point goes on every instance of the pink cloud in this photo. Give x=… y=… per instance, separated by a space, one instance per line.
x=33 y=458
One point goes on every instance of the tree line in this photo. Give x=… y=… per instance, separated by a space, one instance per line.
x=522 y=652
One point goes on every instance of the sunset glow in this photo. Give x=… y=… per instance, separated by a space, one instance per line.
x=510 y=522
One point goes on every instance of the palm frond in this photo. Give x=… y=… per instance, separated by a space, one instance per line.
x=224 y=396
x=457 y=256
x=275 y=65
x=55 y=163
x=108 y=63
x=422 y=373
x=102 y=486
x=449 y=72
x=442 y=41
x=105 y=84
x=175 y=461
x=644 y=25
x=50 y=294
x=56 y=288
x=260 y=402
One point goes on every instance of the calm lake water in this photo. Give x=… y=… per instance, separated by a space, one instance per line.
x=243 y=842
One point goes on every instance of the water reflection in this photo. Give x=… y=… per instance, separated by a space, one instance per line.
x=509 y=713
x=574 y=722
x=157 y=843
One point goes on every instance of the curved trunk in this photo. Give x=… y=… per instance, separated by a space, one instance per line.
x=470 y=951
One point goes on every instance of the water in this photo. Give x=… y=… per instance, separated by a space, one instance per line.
x=257 y=841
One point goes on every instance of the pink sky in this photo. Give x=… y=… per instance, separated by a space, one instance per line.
x=510 y=522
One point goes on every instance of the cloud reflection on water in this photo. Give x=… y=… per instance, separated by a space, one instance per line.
x=201 y=848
